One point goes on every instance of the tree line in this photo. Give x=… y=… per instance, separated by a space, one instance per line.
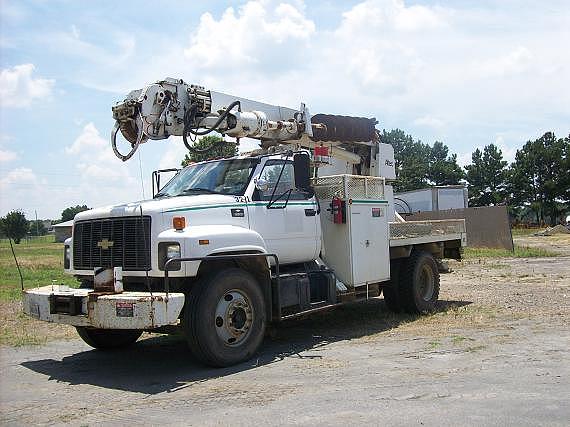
x=536 y=183
x=15 y=225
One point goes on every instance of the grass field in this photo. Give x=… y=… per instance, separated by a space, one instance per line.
x=41 y=262
x=525 y=231
x=519 y=252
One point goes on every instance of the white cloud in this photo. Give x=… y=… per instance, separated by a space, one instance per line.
x=7 y=156
x=258 y=32
x=75 y=31
x=429 y=121
x=88 y=139
x=17 y=188
x=379 y=45
x=71 y=43
x=390 y=15
x=95 y=160
x=515 y=62
x=19 y=89
x=19 y=176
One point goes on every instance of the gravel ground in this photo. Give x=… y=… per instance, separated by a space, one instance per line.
x=496 y=353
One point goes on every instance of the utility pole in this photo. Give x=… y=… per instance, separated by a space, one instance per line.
x=37 y=225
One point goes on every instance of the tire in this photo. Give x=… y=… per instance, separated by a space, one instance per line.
x=106 y=339
x=391 y=289
x=224 y=319
x=419 y=283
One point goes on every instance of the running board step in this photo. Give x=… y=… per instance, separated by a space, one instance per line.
x=310 y=311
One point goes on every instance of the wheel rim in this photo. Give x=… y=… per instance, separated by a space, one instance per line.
x=234 y=317
x=426 y=283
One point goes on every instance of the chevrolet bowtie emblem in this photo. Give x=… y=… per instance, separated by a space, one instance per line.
x=105 y=244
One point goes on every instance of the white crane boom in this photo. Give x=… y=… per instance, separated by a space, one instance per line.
x=173 y=107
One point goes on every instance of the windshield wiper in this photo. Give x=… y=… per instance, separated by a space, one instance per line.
x=198 y=190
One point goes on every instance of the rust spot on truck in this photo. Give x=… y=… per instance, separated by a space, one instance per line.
x=94 y=296
x=154 y=298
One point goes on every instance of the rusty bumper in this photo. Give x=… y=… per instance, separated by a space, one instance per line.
x=84 y=307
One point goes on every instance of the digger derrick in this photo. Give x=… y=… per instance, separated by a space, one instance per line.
x=227 y=246
x=172 y=107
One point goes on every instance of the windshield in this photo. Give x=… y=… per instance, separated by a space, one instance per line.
x=229 y=176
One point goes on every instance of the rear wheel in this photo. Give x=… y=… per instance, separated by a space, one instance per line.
x=225 y=318
x=419 y=283
x=105 y=339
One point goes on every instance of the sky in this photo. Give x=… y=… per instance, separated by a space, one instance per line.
x=468 y=73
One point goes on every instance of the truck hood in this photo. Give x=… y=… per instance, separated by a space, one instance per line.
x=155 y=206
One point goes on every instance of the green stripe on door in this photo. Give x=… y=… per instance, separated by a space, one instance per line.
x=239 y=205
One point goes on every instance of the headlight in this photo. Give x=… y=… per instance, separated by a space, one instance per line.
x=66 y=257
x=173 y=251
x=166 y=251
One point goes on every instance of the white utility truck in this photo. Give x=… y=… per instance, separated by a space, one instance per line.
x=227 y=246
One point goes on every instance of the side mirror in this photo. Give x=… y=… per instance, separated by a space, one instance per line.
x=301 y=166
x=262 y=185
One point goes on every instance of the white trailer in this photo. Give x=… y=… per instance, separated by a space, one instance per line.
x=228 y=246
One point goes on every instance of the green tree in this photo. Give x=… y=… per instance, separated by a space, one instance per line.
x=37 y=228
x=220 y=149
x=411 y=160
x=418 y=165
x=538 y=179
x=443 y=168
x=70 y=212
x=487 y=177
x=14 y=225
x=475 y=178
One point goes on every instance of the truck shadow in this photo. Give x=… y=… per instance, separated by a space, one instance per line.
x=163 y=363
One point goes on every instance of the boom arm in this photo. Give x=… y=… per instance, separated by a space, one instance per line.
x=173 y=107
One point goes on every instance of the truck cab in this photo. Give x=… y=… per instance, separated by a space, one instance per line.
x=242 y=204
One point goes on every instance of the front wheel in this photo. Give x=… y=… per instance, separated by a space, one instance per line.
x=225 y=318
x=106 y=339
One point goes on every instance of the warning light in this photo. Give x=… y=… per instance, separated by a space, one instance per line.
x=179 y=223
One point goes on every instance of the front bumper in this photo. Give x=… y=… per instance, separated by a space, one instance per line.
x=84 y=307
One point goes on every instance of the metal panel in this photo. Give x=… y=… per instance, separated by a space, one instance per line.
x=127 y=310
x=337 y=248
x=273 y=112
x=450 y=198
x=486 y=226
x=369 y=243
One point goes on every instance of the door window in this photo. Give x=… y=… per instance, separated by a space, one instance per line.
x=270 y=174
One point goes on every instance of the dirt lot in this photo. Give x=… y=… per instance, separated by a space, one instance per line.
x=495 y=353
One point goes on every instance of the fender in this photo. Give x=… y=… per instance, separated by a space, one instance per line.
x=204 y=240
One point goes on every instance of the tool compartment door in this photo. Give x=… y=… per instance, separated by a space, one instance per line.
x=369 y=241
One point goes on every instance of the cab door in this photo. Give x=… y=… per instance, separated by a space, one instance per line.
x=287 y=219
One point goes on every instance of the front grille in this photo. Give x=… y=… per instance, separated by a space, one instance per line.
x=112 y=242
